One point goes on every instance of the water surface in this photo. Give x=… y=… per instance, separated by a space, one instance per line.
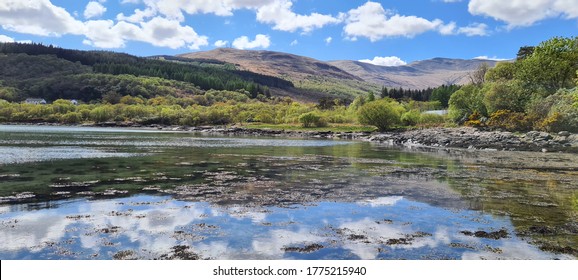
x=85 y=193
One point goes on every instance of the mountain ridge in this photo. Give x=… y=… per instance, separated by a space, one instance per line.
x=420 y=74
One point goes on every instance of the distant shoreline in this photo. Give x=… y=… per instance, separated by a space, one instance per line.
x=458 y=137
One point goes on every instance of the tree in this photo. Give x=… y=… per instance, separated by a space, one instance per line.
x=382 y=113
x=503 y=71
x=525 y=52
x=552 y=65
x=505 y=95
x=111 y=97
x=478 y=76
x=465 y=102
x=370 y=96
x=384 y=92
x=443 y=94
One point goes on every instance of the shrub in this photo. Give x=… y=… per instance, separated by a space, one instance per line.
x=475 y=120
x=465 y=102
x=511 y=121
x=508 y=96
x=71 y=117
x=311 y=119
x=431 y=119
x=381 y=113
x=411 y=117
x=556 y=112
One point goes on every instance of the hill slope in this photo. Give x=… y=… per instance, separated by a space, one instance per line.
x=346 y=76
x=416 y=75
x=276 y=64
x=306 y=73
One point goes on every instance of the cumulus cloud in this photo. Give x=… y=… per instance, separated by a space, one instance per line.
x=476 y=29
x=38 y=18
x=524 y=13
x=261 y=41
x=385 y=61
x=94 y=9
x=328 y=40
x=372 y=21
x=6 y=39
x=294 y=43
x=279 y=14
x=138 y=16
x=221 y=43
x=448 y=29
x=160 y=32
x=43 y=18
x=174 y=9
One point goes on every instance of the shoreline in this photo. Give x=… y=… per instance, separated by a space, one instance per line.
x=467 y=138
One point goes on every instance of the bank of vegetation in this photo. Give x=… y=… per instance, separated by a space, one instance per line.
x=537 y=91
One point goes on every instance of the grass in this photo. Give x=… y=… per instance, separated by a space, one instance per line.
x=298 y=127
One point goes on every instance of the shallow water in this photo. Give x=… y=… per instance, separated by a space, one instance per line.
x=85 y=193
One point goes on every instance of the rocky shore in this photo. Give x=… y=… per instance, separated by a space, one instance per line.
x=459 y=137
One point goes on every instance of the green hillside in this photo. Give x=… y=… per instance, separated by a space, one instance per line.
x=34 y=70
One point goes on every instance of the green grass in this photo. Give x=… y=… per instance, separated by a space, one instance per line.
x=298 y=127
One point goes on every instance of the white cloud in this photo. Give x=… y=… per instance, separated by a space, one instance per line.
x=476 y=29
x=279 y=14
x=38 y=18
x=485 y=57
x=158 y=32
x=6 y=39
x=94 y=9
x=261 y=41
x=43 y=18
x=385 y=61
x=372 y=21
x=173 y=9
x=328 y=40
x=451 y=1
x=138 y=16
x=107 y=35
x=221 y=43
x=524 y=13
x=294 y=43
x=448 y=29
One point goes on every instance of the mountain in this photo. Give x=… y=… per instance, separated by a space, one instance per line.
x=276 y=64
x=346 y=77
x=311 y=76
x=416 y=75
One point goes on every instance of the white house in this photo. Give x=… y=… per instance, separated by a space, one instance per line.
x=35 y=101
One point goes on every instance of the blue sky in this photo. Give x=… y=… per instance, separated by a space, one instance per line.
x=390 y=32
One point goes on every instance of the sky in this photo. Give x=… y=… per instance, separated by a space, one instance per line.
x=393 y=32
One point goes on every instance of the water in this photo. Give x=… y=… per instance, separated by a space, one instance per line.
x=85 y=193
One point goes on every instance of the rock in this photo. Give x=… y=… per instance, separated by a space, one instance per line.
x=544 y=136
x=564 y=133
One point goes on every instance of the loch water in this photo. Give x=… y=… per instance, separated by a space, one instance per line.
x=106 y=193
